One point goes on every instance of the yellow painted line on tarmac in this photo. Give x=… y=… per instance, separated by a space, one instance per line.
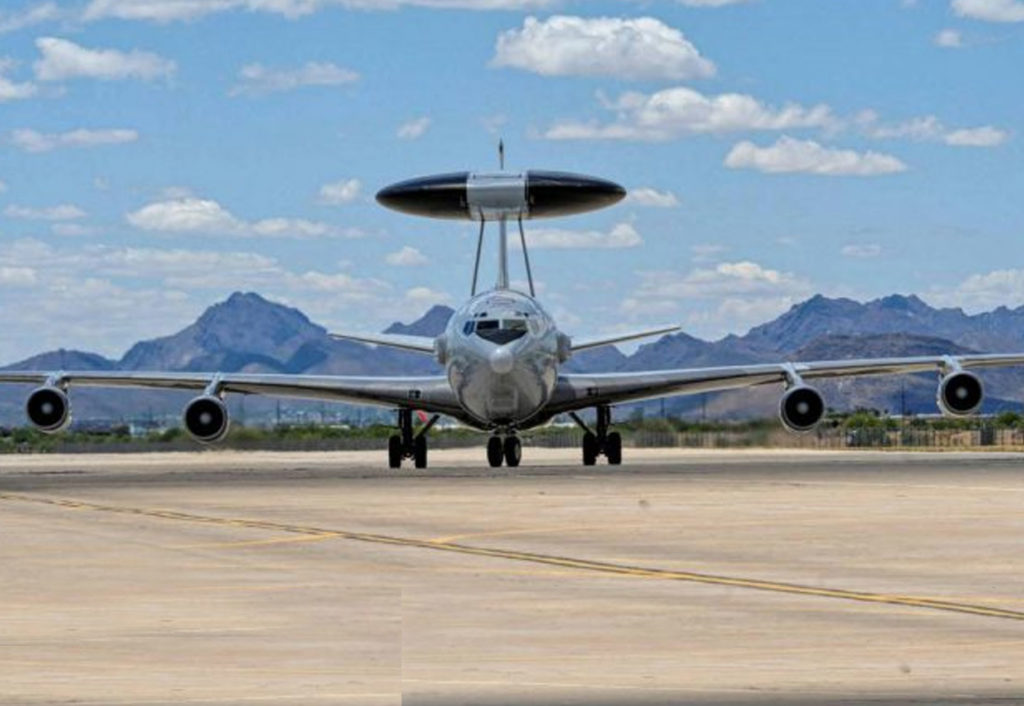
x=587 y=565
x=534 y=530
x=259 y=542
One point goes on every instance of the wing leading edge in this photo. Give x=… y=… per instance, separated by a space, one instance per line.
x=431 y=394
x=578 y=391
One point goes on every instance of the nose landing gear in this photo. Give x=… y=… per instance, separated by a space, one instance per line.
x=405 y=444
x=601 y=441
x=510 y=451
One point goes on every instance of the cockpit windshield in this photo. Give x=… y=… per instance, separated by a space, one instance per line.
x=498 y=331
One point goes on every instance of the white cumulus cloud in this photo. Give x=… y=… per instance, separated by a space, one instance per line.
x=62 y=59
x=34 y=141
x=948 y=39
x=17 y=276
x=157 y=10
x=207 y=217
x=71 y=230
x=425 y=296
x=990 y=10
x=681 y=111
x=623 y=235
x=984 y=291
x=257 y=79
x=929 y=128
x=63 y=212
x=12 y=21
x=789 y=156
x=101 y=297
x=408 y=256
x=646 y=196
x=11 y=90
x=414 y=129
x=187 y=10
x=986 y=136
x=711 y=3
x=629 y=48
x=341 y=192
x=726 y=298
x=861 y=251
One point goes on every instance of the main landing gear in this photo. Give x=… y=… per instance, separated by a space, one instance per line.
x=600 y=441
x=405 y=444
x=509 y=450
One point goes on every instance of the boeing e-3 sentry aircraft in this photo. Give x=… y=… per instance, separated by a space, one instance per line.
x=501 y=350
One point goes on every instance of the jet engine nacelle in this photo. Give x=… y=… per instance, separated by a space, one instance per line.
x=206 y=419
x=960 y=394
x=802 y=408
x=49 y=409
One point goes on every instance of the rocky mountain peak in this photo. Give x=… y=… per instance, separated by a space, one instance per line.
x=226 y=335
x=431 y=323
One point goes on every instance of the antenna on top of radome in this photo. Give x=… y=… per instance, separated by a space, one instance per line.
x=501 y=154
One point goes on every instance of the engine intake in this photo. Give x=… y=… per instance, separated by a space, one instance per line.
x=49 y=409
x=802 y=408
x=206 y=419
x=960 y=394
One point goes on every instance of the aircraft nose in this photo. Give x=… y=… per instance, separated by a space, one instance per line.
x=502 y=361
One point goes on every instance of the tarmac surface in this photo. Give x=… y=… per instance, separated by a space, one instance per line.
x=679 y=578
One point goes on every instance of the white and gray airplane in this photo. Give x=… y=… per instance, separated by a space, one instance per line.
x=501 y=351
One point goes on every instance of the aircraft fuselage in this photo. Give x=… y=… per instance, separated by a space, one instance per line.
x=501 y=354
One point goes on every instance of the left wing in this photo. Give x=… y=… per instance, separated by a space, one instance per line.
x=582 y=344
x=431 y=394
x=574 y=392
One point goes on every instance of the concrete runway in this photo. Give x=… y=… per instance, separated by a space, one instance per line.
x=681 y=577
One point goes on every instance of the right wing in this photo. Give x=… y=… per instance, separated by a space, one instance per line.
x=431 y=394
x=584 y=343
x=578 y=391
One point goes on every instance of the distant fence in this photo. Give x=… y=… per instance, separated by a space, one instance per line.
x=756 y=438
x=819 y=439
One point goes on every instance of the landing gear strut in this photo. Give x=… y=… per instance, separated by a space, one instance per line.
x=406 y=444
x=600 y=441
x=510 y=451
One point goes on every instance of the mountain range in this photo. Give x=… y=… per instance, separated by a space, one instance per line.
x=248 y=333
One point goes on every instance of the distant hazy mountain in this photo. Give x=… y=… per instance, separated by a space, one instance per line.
x=66 y=360
x=998 y=330
x=247 y=332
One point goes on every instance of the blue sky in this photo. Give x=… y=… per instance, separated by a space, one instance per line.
x=156 y=155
